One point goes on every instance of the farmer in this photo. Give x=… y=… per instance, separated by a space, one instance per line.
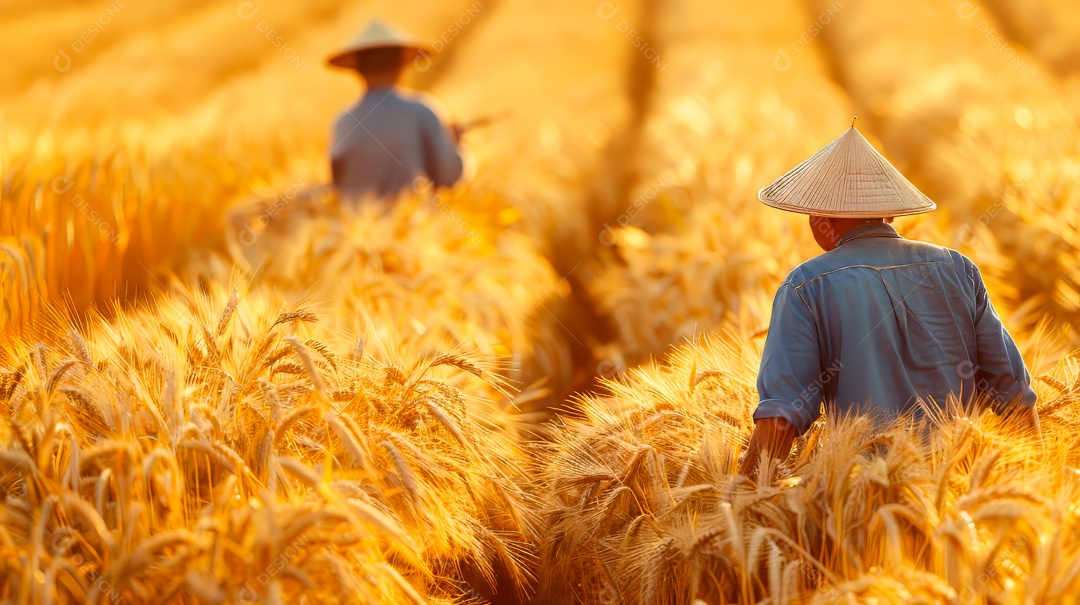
x=878 y=323
x=390 y=140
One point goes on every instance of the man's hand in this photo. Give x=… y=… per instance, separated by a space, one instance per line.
x=457 y=129
x=772 y=437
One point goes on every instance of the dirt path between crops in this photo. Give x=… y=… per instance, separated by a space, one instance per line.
x=561 y=156
x=608 y=198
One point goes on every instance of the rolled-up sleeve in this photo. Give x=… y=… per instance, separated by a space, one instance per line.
x=1000 y=373
x=787 y=384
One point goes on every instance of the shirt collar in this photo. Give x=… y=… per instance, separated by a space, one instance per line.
x=379 y=92
x=868 y=230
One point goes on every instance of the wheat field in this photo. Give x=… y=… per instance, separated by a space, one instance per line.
x=220 y=385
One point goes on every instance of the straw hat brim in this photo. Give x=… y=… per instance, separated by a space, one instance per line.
x=847 y=178
x=347 y=58
x=876 y=213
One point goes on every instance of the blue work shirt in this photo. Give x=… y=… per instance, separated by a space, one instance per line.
x=877 y=324
x=388 y=140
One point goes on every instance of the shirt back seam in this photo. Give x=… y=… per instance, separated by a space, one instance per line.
x=878 y=269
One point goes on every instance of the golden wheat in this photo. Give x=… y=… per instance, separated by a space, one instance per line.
x=643 y=506
x=220 y=386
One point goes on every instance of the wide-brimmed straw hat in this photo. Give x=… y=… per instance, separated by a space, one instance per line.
x=377 y=34
x=847 y=178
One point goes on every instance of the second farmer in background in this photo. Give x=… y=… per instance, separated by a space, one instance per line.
x=391 y=138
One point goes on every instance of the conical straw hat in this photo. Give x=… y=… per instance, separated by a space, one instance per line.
x=847 y=178
x=377 y=34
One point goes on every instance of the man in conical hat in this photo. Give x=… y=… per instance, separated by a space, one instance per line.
x=878 y=323
x=391 y=139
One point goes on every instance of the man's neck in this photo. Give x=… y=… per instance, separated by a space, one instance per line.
x=844 y=225
x=377 y=81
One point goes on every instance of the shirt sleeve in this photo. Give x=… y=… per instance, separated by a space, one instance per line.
x=442 y=160
x=788 y=383
x=999 y=371
x=338 y=134
x=343 y=126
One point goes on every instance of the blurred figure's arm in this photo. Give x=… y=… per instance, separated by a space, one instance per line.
x=336 y=171
x=443 y=161
x=789 y=384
